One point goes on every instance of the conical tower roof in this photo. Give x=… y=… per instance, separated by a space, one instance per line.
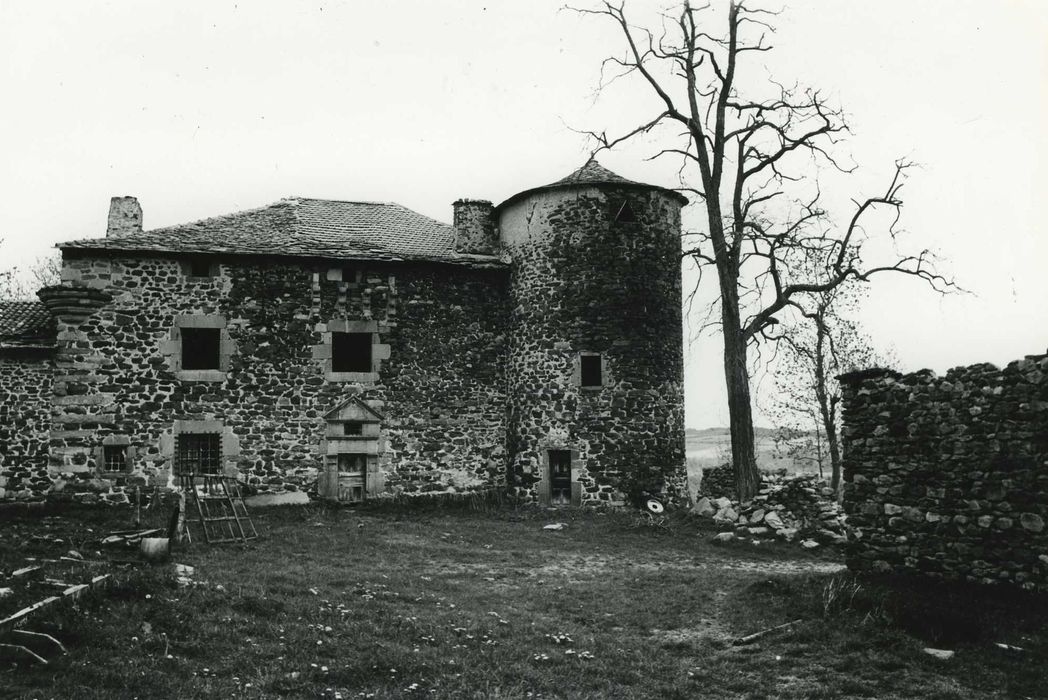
x=590 y=174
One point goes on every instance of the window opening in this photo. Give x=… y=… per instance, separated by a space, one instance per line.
x=200 y=267
x=560 y=477
x=200 y=348
x=198 y=453
x=351 y=352
x=624 y=213
x=352 y=428
x=591 y=370
x=114 y=458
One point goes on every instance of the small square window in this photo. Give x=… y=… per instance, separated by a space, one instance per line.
x=200 y=348
x=352 y=428
x=200 y=267
x=351 y=352
x=114 y=458
x=622 y=212
x=592 y=374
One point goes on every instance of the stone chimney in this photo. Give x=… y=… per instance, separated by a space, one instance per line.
x=125 y=217
x=475 y=227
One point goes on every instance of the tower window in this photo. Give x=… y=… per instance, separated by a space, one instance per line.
x=351 y=352
x=200 y=348
x=622 y=212
x=591 y=371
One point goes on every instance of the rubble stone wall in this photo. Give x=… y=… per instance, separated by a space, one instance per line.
x=948 y=476
x=441 y=389
x=25 y=419
x=584 y=283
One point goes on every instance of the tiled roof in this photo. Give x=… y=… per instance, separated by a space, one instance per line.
x=25 y=323
x=592 y=173
x=304 y=227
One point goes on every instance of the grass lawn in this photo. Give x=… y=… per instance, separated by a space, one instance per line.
x=453 y=603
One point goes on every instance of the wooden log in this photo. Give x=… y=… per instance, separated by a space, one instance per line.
x=749 y=638
x=22 y=650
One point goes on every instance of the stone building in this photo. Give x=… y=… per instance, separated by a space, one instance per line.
x=361 y=350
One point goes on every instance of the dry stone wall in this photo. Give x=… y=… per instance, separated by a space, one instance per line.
x=25 y=419
x=583 y=282
x=441 y=390
x=948 y=476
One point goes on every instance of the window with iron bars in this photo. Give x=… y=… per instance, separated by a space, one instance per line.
x=198 y=453
x=114 y=458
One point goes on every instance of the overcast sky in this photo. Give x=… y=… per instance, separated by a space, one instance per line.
x=203 y=108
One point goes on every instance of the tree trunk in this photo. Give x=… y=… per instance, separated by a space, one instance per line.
x=740 y=412
x=835 y=454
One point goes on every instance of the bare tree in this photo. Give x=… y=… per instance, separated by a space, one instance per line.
x=46 y=271
x=752 y=161
x=823 y=342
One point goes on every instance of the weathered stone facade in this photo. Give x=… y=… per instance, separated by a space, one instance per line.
x=481 y=344
x=442 y=390
x=25 y=422
x=948 y=476
x=584 y=282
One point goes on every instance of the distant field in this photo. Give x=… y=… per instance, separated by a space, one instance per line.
x=711 y=447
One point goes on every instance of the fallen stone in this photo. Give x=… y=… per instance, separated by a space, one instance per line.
x=757 y=516
x=943 y=654
x=757 y=531
x=703 y=508
x=4 y=592
x=722 y=503
x=773 y=521
x=787 y=533
x=723 y=537
x=726 y=515
x=809 y=544
x=555 y=526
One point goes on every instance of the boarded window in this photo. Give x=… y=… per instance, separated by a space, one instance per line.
x=353 y=428
x=351 y=352
x=198 y=453
x=200 y=348
x=114 y=458
x=591 y=372
x=622 y=212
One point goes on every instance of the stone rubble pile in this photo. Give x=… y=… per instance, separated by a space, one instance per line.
x=787 y=507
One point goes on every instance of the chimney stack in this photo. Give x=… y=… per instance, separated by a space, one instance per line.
x=475 y=227
x=125 y=217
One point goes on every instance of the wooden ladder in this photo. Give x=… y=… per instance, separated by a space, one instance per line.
x=219 y=508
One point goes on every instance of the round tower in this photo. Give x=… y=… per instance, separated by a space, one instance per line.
x=595 y=367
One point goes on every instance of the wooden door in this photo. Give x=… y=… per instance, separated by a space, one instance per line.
x=560 y=477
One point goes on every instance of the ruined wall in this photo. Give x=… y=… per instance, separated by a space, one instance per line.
x=582 y=282
x=25 y=418
x=948 y=476
x=441 y=389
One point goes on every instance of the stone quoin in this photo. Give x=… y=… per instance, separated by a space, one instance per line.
x=360 y=350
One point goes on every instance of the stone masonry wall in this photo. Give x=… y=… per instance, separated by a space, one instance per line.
x=25 y=418
x=948 y=476
x=585 y=283
x=441 y=390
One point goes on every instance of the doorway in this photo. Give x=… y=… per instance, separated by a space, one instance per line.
x=560 y=477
